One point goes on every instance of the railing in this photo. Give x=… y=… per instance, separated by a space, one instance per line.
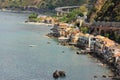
x=110 y=24
x=61 y=9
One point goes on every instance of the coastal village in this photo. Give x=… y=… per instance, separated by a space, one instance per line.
x=108 y=51
x=87 y=34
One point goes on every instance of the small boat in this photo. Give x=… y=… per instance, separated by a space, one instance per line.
x=81 y=52
x=32 y=45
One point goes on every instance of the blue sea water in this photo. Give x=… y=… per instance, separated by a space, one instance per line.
x=19 y=61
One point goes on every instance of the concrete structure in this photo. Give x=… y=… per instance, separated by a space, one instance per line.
x=63 y=39
x=75 y=33
x=105 y=27
x=64 y=10
x=101 y=46
x=86 y=41
x=47 y=19
x=59 y=29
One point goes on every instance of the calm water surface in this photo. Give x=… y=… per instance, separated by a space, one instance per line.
x=18 y=61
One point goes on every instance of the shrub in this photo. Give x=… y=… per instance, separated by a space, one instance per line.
x=72 y=15
x=84 y=29
x=33 y=16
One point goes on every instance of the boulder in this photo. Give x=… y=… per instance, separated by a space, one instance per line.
x=58 y=74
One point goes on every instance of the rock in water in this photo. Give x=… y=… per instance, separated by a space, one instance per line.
x=58 y=74
x=62 y=73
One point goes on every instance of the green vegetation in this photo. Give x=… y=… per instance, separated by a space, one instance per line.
x=113 y=35
x=107 y=35
x=84 y=29
x=110 y=11
x=106 y=10
x=47 y=4
x=83 y=8
x=33 y=17
x=72 y=16
x=94 y=9
x=51 y=4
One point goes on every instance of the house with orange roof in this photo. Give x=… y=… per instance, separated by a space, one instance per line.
x=105 y=48
x=117 y=60
x=59 y=29
x=41 y=18
x=99 y=45
x=74 y=35
x=109 y=51
x=47 y=19
x=116 y=54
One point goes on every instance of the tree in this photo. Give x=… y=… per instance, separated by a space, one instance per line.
x=83 y=9
x=3 y=0
x=72 y=15
x=33 y=15
x=84 y=29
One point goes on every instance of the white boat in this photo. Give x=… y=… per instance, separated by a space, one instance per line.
x=32 y=45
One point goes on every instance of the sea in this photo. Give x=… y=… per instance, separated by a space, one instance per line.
x=26 y=55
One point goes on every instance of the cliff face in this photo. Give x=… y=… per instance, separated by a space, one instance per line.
x=97 y=6
x=16 y=3
x=40 y=3
x=110 y=11
x=105 y=10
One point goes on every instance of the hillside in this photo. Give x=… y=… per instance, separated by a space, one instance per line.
x=96 y=7
x=110 y=11
x=48 y=4
x=105 y=10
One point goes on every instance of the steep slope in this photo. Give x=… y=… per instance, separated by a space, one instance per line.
x=40 y=3
x=105 y=10
x=15 y=3
x=97 y=6
x=110 y=11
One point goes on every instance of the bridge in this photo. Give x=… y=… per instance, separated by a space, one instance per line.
x=64 y=10
x=104 y=28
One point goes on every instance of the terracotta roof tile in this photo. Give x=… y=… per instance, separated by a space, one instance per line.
x=117 y=55
x=108 y=42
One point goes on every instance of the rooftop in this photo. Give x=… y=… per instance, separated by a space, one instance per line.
x=108 y=42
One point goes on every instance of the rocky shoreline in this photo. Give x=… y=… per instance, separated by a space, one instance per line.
x=68 y=35
x=73 y=41
x=111 y=65
x=103 y=63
